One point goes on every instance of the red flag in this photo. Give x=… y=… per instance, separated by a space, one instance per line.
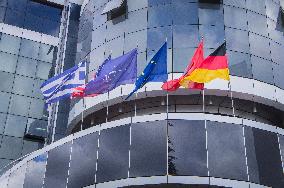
x=196 y=60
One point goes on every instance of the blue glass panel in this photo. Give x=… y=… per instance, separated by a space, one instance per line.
x=237 y=40
x=259 y=46
x=232 y=15
x=182 y=57
x=212 y=16
x=157 y=37
x=2 y=13
x=277 y=54
x=36 y=108
x=16 y=179
x=16 y=126
x=158 y=2
x=50 y=27
x=8 y=62
x=184 y=13
x=29 y=48
x=23 y=85
x=33 y=22
x=160 y=15
x=262 y=69
x=19 y=5
x=26 y=67
x=213 y=35
x=8 y=152
x=10 y=44
x=7 y=85
x=185 y=36
x=239 y=64
x=15 y=18
x=278 y=75
x=257 y=23
x=236 y=3
x=19 y=105
x=256 y=6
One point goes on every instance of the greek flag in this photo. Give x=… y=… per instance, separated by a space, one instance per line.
x=62 y=85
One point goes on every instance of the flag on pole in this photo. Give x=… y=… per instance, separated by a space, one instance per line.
x=79 y=91
x=197 y=59
x=155 y=71
x=113 y=73
x=62 y=85
x=213 y=67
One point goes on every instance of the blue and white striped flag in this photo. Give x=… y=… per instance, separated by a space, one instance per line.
x=62 y=85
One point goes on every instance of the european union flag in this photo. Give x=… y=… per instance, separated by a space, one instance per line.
x=155 y=71
x=113 y=73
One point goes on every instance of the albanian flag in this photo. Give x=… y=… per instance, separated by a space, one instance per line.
x=214 y=66
x=196 y=60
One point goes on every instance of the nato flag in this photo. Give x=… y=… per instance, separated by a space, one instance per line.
x=155 y=71
x=113 y=73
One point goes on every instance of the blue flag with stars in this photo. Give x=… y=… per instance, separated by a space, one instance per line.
x=155 y=71
x=113 y=73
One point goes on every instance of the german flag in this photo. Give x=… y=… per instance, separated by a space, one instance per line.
x=213 y=67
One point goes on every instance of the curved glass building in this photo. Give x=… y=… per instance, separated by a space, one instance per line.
x=230 y=135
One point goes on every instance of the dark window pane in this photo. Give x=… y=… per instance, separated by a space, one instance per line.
x=17 y=4
x=148 y=157
x=187 y=148
x=35 y=172
x=113 y=154
x=226 y=151
x=57 y=167
x=268 y=158
x=33 y=22
x=13 y=17
x=251 y=156
x=82 y=172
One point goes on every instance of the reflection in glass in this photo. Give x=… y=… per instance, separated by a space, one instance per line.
x=187 y=148
x=35 y=172
x=268 y=158
x=83 y=161
x=148 y=149
x=113 y=154
x=16 y=179
x=226 y=151
x=57 y=167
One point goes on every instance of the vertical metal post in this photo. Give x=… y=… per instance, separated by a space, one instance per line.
x=58 y=69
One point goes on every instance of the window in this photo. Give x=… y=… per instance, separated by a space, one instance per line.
x=114 y=9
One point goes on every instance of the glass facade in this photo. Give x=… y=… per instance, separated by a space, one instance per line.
x=171 y=148
x=32 y=15
x=25 y=64
x=254 y=44
x=189 y=147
